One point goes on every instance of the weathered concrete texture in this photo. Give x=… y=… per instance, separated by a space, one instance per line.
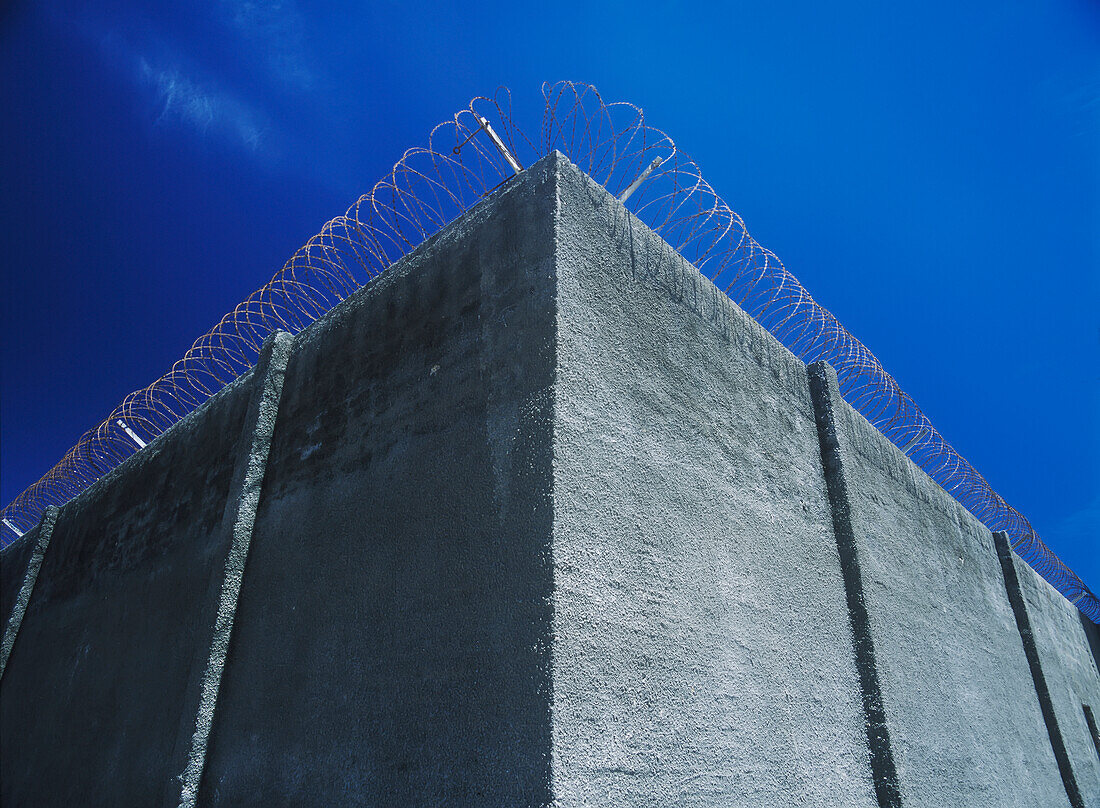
x=884 y=771
x=41 y=541
x=1092 y=632
x=98 y=680
x=1042 y=690
x=391 y=645
x=238 y=520
x=702 y=651
x=538 y=517
x=965 y=723
x=1070 y=673
x=13 y=571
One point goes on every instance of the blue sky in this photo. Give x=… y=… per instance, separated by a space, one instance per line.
x=931 y=172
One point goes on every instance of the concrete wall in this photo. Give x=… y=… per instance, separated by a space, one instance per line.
x=1071 y=676
x=23 y=565
x=93 y=696
x=963 y=718
x=538 y=517
x=696 y=575
x=392 y=641
x=13 y=568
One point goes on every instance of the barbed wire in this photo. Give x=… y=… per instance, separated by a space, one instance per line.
x=430 y=186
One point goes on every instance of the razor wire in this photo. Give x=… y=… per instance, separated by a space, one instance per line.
x=465 y=160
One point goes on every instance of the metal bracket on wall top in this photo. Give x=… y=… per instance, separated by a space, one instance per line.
x=625 y=195
x=493 y=136
x=133 y=435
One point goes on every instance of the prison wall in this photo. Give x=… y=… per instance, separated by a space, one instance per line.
x=696 y=576
x=392 y=642
x=538 y=516
x=1072 y=678
x=13 y=571
x=961 y=713
x=101 y=673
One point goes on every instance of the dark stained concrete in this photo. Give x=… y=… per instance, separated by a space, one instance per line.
x=238 y=521
x=97 y=683
x=393 y=631
x=13 y=569
x=27 y=559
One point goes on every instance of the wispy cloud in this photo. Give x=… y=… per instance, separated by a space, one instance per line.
x=238 y=74
x=180 y=92
x=179 y=99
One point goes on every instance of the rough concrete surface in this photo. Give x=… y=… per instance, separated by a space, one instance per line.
x=884 y=773
x=391 y=645
x=702 y=653
x=1042 y=690
x=41 y=541
x=13 y=570
x=1092 y=633
x=964 y=719
x=1070 y=672
x=237 y=522
x=543 y=521
x=97 y=682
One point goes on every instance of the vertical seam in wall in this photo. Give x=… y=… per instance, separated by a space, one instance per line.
x=240 y=517
x=19 y=610
x=555 y=231
x=880 y=751
x=1023 y=624
x=1090 y=719
x=1092 y=635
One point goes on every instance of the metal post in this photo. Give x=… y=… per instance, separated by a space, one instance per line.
x=133 y=435
x=512 y=161
x=641 y=178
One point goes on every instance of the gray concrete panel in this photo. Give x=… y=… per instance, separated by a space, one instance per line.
x=543 y=521
x=1092 y=632
x=98 y=681
x=1042 y=690
x=702 y=650
x=1070 y=672
x=13 y=569
x=884 y=772
x=238 y=520
x=965 y=723
x=42 y=533
x=391 y=645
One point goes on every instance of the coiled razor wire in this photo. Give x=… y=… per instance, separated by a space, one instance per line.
x=465 y=159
